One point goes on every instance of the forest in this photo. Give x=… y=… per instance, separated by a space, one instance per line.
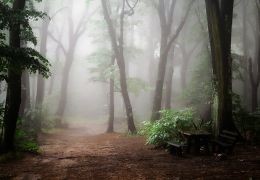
x=129 y=89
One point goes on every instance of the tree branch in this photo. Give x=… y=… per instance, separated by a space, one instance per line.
x=58 y=42
x=251 y=73
x=174 y=37
x=170 y=15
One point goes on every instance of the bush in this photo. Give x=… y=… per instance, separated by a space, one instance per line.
x=248 y=123
x=169 y=125
x=26 y=142
x=26 y=133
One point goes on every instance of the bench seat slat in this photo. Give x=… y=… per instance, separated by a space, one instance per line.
x=222 y=143
x=230 y=133
x=227 y=137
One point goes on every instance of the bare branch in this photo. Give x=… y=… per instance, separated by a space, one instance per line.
x=58 y=42
x=131 y=10
x=82 y=24
x=174 y=37
x=170 y=15
x=61 y=9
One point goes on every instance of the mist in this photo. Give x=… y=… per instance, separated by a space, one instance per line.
x=78 y=42
x=113 y=78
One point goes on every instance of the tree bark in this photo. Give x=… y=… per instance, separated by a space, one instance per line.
x=166 y=19
x=254 y=81
x=111 y=118
x=57 y=58
x=254 y=85
x=168 y=82
x=25 y=94
x=13 y=98
x=245 y=51
x=65 y=81
x=219 y=17
x=118 y=51
x=43 y=51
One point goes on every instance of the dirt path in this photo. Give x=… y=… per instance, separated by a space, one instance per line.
x=70 y=155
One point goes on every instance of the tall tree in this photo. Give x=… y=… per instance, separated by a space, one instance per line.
x=13 y=99
x=168 y=80
x=43 y=51
x=15 y=59
x=254 y=73
x=111 y=99
x=245 y=53
x=117 y=44
x=220 y=16
x=25 y=93
x=165 y=11
x=74 y=34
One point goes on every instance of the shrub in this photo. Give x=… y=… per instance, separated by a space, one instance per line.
x=26 y=142
x=169 y=125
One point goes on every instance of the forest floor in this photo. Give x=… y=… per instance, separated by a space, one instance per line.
x=74 y=154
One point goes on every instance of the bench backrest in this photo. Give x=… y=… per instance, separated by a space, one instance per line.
x=228 y=137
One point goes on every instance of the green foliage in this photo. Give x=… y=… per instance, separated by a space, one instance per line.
x=168 y=127
x=102 y=71
x=238 y=67
x=136 y=85
x=19 y=59
x=11 y=18
x=28 y=59
x=100 y=66
x=25 y=142
x=247 y=123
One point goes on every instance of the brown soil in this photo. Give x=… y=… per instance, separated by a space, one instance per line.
x=69 y=155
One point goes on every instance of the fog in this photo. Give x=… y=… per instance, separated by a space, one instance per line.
x=78 y=34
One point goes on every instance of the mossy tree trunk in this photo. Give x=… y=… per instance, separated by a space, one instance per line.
x=220 y=15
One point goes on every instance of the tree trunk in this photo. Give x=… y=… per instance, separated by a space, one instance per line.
x=25 y=94
x=43 y=52
x=64 y=82
x=110 y=128
x=55 y=66
x=219 y=17
x=165 y=13
x=245 y=51
x=184 y=69
x=74 y=35
x=168 y=82
x=119 y=54
x=13 y=98
x=254 y=97
x=160 y=79
x=254 y=86
x=255 y=81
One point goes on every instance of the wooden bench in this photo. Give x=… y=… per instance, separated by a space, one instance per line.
x=225 y=142
x=176 y=147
